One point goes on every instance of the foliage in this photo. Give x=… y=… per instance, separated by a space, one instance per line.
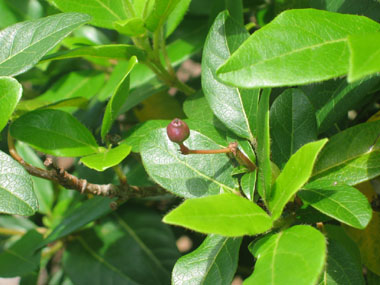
x=278 y=183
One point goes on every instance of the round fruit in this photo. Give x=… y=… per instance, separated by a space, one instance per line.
x=178 y=131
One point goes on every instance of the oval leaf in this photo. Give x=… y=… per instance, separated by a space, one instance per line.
x=295 y=174
x=24 y=44
x=186 y=175
x=54 y=132
x=351 y=156
x=341 y=202
x=297 y=47
x=108 y=158
x=16 y=188
x=213 y=262
x=10 y=94
x=225 y=214
x=117 y=100
x=298 y=252
x=236 y=108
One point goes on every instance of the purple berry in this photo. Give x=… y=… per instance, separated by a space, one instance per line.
x=178 y=131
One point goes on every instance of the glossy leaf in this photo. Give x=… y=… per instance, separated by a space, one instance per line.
x=248 y=184
x=16 y=188
x=213 y=262
x=89 y=211
x=21 y=258
x=42 y=188
x=351 y=156
x=264 y=173
x=340 y=267
x=10 y=94
x=176 y=16
x=117 y=100
x=225 y=214
x=364 y=55
x=103 y=12
x=297 y=47
x=295 y=174
x=341 y=202
x=54 y=132
x=236 y=108
x=24 y=44
x=343 y=98
x=293 y=256
x=110 y=157
x=196 y=107
x=292 y=124
x=159 y=14
x=368 y=242
x=186 y=175
x=103 y=255
x=118 y=52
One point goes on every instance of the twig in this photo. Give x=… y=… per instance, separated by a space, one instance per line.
x=69 y=181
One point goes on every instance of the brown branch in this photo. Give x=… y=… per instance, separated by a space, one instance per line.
x=61 y=176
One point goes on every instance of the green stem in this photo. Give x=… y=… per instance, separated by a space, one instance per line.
x=120 y=174
x=11 y=232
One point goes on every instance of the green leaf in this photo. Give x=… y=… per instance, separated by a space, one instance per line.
x=341 y=202
x=196 y=107
x=264 y=174
x=225 y=214
x=161 y=11
x=186 y=175
x=295 y=174
x=89 y=211
x=108 y=158
x=364 y=55
x=117 y=51
x=248 y=184
x=76 y=84
x=213 y=262
x=117 y=100
x=351 y=156
x=43 y=188
x=103 y=12
x=292 y=124
x=137 y=133
x=54 y=132
x=343 y=98
x=130 y=27
x=176 y=16
x=340 y=267
x=297 y=47
x=21 y=258
x=294 y=256
x=10 y=94
x=130 y=247
x=16 y=188
x=24 y=44
x=114 y=79
x=236 y=108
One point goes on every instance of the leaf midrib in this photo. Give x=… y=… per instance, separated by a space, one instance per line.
x=294 y=51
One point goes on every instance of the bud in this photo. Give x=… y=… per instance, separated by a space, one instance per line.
x=178 y=131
